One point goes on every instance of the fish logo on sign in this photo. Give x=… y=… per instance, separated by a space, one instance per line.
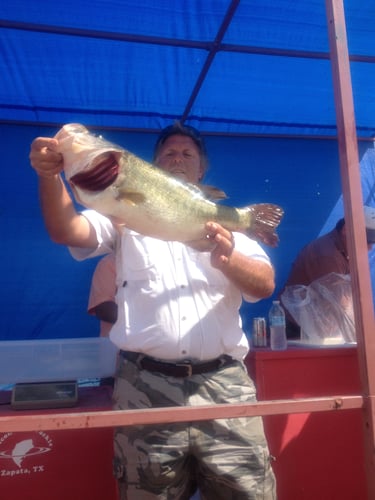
x=17 y=450
x=22 y=449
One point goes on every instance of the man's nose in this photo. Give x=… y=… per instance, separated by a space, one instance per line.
x=177 y=158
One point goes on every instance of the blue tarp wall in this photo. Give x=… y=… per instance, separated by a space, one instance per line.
x=254 y=76
x=45 y=291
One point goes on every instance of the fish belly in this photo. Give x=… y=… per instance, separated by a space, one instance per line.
x=166 y=219
x=146 y=200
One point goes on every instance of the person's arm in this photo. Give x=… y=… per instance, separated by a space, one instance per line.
x=106 y=311
x=251 y=276
x=102 y=296
x=64 y=224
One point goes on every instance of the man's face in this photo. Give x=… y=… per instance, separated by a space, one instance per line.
x=179 y=155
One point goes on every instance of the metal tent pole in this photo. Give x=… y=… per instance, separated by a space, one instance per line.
x=354 y=218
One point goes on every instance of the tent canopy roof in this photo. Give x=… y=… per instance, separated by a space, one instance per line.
x=226 y=67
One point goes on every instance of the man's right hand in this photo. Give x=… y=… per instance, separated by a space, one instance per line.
x=44 y=158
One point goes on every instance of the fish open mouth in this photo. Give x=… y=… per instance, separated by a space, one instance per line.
x=100 y=176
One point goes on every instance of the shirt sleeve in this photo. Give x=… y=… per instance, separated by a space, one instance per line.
x=106 y=235
x=251 y=249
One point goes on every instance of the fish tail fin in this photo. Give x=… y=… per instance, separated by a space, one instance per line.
x=264 y=219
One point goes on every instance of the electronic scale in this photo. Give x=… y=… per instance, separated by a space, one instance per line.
x=37 y=395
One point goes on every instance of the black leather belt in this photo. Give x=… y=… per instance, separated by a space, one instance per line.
x=183 y=369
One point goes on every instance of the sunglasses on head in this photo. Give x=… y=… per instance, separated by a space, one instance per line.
x=186 y=130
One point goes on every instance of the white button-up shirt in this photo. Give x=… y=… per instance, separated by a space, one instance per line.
x=172 y=304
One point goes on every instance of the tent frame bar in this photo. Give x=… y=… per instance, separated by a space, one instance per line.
x=355 y=223
x=175 y=42
x=215 y=47
x=113 y=418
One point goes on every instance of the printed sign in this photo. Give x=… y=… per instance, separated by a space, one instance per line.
x=20 y=453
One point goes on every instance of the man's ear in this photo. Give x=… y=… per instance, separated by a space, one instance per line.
x=201 y=173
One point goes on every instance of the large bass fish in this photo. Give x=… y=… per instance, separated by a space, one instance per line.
x=144 y=198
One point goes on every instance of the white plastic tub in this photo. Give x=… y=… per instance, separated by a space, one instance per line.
x=57 y=359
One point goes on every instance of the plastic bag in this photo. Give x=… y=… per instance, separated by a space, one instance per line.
x=323 y=309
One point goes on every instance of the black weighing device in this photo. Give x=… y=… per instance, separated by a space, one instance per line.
x=44 y=395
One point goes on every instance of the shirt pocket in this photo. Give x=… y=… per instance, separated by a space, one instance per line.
x=138 y=259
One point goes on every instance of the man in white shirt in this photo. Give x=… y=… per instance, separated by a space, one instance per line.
x=180 y=337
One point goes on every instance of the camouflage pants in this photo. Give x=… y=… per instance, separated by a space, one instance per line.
x=227 y=459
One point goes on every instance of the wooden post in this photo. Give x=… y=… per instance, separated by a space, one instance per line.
x=354 y=221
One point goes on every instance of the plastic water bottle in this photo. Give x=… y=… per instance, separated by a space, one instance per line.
x=276 y=319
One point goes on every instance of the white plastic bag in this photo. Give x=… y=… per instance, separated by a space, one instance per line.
x=323 y=309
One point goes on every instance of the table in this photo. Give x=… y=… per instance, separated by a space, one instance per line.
x=318 y=456
x=59 y=465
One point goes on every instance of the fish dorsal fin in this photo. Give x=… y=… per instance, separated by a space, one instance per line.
x=212 y=192
x=130 y=197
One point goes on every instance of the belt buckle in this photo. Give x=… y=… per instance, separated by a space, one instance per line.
x=223 y=360
x=138 y=361
x=188 y=366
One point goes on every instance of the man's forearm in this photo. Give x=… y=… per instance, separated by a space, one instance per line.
x=251 y=276
x=63 y=223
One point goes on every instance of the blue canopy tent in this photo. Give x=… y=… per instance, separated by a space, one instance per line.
x=253 y=76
